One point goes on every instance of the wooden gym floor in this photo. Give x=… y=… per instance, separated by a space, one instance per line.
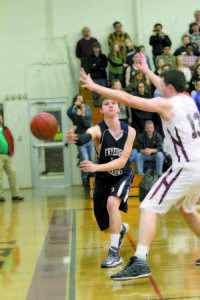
x=51 y=249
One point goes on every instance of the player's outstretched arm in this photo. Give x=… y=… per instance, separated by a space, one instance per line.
x=81 y=139
x=118 y=163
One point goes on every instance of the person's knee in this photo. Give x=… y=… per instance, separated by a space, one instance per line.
x=113 y=204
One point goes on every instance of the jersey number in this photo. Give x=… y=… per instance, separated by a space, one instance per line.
x=195 y=132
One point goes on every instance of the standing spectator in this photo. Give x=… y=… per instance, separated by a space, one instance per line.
x=84 y=48
x=149 y=147
x=139 y=117
x=189 y=59
x=118 y=36
x=195 y=78
x=131 y=70
x=197 y=17
x=182 y=49
x=196 y=94
x=142 y=49
x=158 y=40
x=97 y=64
x=6 y=162
x=125 y=111
x=168 y=58
x=179 y=65
x=131 y=50
x=116 y=63
x=80 y=115
x=195 y=35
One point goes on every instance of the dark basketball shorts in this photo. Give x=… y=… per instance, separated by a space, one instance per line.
x=118 y=186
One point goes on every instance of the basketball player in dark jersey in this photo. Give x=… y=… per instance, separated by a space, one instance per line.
x=114 y=175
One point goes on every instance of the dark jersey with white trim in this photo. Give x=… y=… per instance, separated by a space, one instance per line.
x=111 y=148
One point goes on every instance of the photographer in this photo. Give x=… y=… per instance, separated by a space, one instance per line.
x=81 y=117
x=158 y=40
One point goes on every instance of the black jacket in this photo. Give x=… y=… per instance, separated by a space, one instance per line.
x=144 y=142
x=158 y=43
x=97 y=66
x=82 y=122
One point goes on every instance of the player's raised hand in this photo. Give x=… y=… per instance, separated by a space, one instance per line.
x=71 y=137
x=86 y=80
x=88 y=166
x=142 y=66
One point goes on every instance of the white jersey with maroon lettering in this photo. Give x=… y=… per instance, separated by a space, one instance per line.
x=180 y=184
x=183 y=131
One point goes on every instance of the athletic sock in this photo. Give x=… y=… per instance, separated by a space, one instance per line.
x=142 y=251
x=114 y=238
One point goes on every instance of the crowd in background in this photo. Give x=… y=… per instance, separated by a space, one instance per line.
x=118 y=70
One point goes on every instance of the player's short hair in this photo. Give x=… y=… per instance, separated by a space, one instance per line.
x=176 y=78
x=102 y=99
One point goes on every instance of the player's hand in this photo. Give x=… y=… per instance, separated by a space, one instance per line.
x=87 y=81
x=143 y=62
x=71 y=137
x=88 y=166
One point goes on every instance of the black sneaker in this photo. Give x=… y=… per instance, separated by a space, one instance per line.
x=113 y=259
x=136 y=268
x=197 y=262
x=125 y=228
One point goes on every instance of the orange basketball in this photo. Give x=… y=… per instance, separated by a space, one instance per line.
x=44 y=126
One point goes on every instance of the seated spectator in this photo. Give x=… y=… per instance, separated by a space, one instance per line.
x=168 y=58
x=132 y=87
x=139 y=117
x=195 y=35
x=189 y=59
x=182 y=49
x=97 y=62
x=196 y=94
x=158 y=40
x=80 y=115
x=125 y=111
x=131 y=50
x=195 y=78
x=142 y=49
x=116 y=63
x=131 y=70
x=158 y=71
x=179 y=65
x=149 y=147
x=84 y=48
x=118 y=36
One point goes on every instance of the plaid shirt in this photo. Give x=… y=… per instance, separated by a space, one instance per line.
x=189 y=60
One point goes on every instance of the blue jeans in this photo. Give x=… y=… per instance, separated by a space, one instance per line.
x=95 y=96
x=86 y=152
x=157 y=157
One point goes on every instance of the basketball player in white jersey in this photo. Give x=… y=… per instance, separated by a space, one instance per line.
x=180 y=184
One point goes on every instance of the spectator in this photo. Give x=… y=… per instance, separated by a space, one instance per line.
x=168 y=58
x=84 y=48
x=197 y=17
x=6 y=162
x=131 y=70
x=142 y=49
x=189 y=59
x=195 y=78
x=158 y=40
x=149 y=147
x=182 y=49
x=118 y=36
x=195 y=35
x=139 y=117
x=125 y=111
x=179 y=65
x=116 y=63
x=196 y=94
x=132 y=87
x=131 y=50
x=97 y=64
x=80 y=115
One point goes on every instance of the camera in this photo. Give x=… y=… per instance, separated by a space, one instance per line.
x=78 y=106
